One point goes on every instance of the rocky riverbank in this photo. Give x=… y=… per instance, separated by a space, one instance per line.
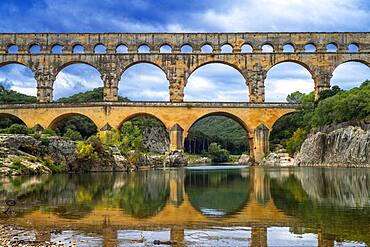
x=25 y=154
x=342 y=146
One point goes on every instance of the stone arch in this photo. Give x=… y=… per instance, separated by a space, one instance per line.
x=139 y=114
x=298 y=64
x=289 y=47
x=34 y=48
x=56 y=49
x=145 y=62
x=121 y=48
x=18 y=117
x=353 y=47
x=267 y=47
x=82 y=69
x=25 y=70
x=331 y=47
x=100 y=48
x=247 y=48
x=201 y=64
x=310 y=47
x=349 y=76
x=225 y=68
x=166 y=48
x=296 y=61
x=59 y=118
x=206 y=48
x=147 y=48
x=240 y=146
x=227 y=48
x=219 y=113
x=12 y=49
x=185 y=48
x=78 y=48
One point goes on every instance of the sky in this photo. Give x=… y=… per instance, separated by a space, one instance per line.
x=213 y=82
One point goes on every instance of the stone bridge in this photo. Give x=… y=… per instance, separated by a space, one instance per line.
x=112 y=53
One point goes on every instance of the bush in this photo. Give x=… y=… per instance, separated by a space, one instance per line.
x=73 y=135
x=86 y=151
x=294 y=143
x=18 y=129
x=218 y=154
x=49 y=132
x=109 y=137
x=132 y=138
x=96 y=143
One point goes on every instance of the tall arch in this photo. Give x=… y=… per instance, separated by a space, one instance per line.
x=350 y=74
x=18 y=77
x=287 y=77
x=216 y=81
x=144 y=81
x=6 y=120
x=77 y=77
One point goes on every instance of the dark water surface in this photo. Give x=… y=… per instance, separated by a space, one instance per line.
x=205 y=207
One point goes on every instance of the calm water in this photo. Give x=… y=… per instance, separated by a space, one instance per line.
x=205 y=207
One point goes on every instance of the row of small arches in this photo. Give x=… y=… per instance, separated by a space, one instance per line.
x=207 y=48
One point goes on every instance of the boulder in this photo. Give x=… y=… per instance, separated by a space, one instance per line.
x=244 y=160
x=349 y=146
x=175 y=159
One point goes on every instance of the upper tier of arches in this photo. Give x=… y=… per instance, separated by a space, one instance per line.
x=173 y=43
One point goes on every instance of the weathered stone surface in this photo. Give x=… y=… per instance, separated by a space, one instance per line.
x=61 y=150
x=244 y=160
x=348 y=146
x=175 y=159
x=279 y=157
x=156 y=140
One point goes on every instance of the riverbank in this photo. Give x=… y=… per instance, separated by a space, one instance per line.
x=25 y=154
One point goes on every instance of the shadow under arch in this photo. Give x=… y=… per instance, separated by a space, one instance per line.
x=217 y=193
x=143 y=114
x=55 y=121
x=7 y=119
x=224 y=114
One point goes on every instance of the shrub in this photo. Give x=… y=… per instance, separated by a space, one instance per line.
x=73 y=135
x=109 y=137
x=49 y=132
x=294 y=143
x=132 y=138
x=86 y=151
x=218 y=154
x=18 y=129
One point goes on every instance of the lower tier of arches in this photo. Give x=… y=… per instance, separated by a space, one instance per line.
x=256 y=119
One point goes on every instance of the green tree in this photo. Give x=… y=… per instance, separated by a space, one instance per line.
x=295 y=97
x=73 y=135
x=218 y=154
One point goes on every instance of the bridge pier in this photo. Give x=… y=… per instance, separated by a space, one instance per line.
x=176 y=138
x=260 y=142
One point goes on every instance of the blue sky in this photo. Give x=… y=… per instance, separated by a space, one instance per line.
x=144 y=82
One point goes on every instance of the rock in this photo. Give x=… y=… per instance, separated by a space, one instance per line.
x=61 y=150
x=156 y=140
x=278 y=158
x=244 y=160
x=349 y=146
x=175 y=159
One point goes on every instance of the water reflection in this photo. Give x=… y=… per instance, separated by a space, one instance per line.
x=277 y=205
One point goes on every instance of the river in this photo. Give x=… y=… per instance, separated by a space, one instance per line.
x=206 y=206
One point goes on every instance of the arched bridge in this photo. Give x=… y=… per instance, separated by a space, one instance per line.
x=112 y=53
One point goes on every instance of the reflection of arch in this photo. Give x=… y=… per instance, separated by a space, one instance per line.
x=67 y=115
x=217 y=193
